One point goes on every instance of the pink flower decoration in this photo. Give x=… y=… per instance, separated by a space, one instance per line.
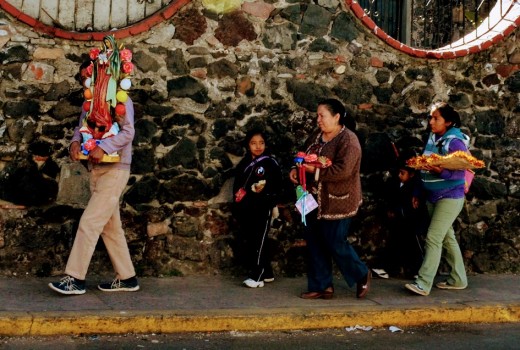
x=90 y=69
x=309 y=158
x=300 y=155
x=94 y=53
x=127 y=67
x=126 y=55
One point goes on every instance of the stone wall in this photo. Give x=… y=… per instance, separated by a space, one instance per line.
x=201 y=81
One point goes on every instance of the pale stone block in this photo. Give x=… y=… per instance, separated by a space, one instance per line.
x=48 y=54
x=36 y=71
x=258 y=9
x=158 y=228
x=73 y=187
x=161 y=35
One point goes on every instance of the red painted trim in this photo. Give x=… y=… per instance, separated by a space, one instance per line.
x=473 y=47
x=134 y=29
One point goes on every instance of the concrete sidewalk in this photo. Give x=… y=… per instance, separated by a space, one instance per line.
x=220 y=303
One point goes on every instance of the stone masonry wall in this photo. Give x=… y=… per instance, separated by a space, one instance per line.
x=201 y=81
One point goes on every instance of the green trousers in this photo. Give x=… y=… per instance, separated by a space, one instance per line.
x=441 y=235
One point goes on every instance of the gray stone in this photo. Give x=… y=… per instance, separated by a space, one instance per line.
x=513 y=82
x=490 y=122
x=344 y=28
x=354 y=90
x=14 y=54
x=315 y=21
x=18 y=109
x=197 y=62
x=460 y=101
x=57 y=91
x=65 y=109
x=73 y=187
x=145 y=62
x=321 y=44
x=182 y=188
x=293 y=13
x=183 y=153
x=187 y=87
x=21 y=130
x=421 y=74
x=161 y=35
x=222 y=68
x=144 y=131
x=176 y=63
x=143 y=191
x=143 y=160
x=280 y=37
x=308 y=95
x=383 y=76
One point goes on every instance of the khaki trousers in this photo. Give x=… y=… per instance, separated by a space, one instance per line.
x=101 y=218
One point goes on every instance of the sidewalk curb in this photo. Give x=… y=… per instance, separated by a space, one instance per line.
x=172 y=321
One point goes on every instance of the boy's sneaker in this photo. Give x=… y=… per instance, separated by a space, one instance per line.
x=117 y=285
x=253 y=284
x=68 y=285
x=446 y=285
x=414 y=287
x=269 y=280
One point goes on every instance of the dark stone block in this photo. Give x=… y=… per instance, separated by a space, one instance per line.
x=344 y=28
x=175 y=62
x=144 y=131
x=183 y=188
x=15 y=54
x=490 y=122
x=222 y=68
x=188 y=87
x=143 y=160
x=57 y=91
x=183 y=153
x=222 y=126
x=143 y=191
x=25 y=108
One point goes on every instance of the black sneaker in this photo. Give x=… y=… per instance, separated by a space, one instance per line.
x=117 y=285
x=68 y=285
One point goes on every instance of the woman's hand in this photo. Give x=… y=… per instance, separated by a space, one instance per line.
x=433 y=169
x=74 y=150
x=293 y=176
x=415 y=202
x=96 y=155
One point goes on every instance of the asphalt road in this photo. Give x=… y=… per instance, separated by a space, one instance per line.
x=450 y=336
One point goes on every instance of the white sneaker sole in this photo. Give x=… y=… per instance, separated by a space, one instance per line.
x=445 y=285
x=67 y=292
x=416 y=290
x=133 y=289
x=253 y=284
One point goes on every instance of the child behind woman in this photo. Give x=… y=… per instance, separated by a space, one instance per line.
x=406 y=225
x=258 y=183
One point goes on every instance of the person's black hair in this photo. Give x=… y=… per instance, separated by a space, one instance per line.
x=450 y=115
x=84 y=65
x=335 y=106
